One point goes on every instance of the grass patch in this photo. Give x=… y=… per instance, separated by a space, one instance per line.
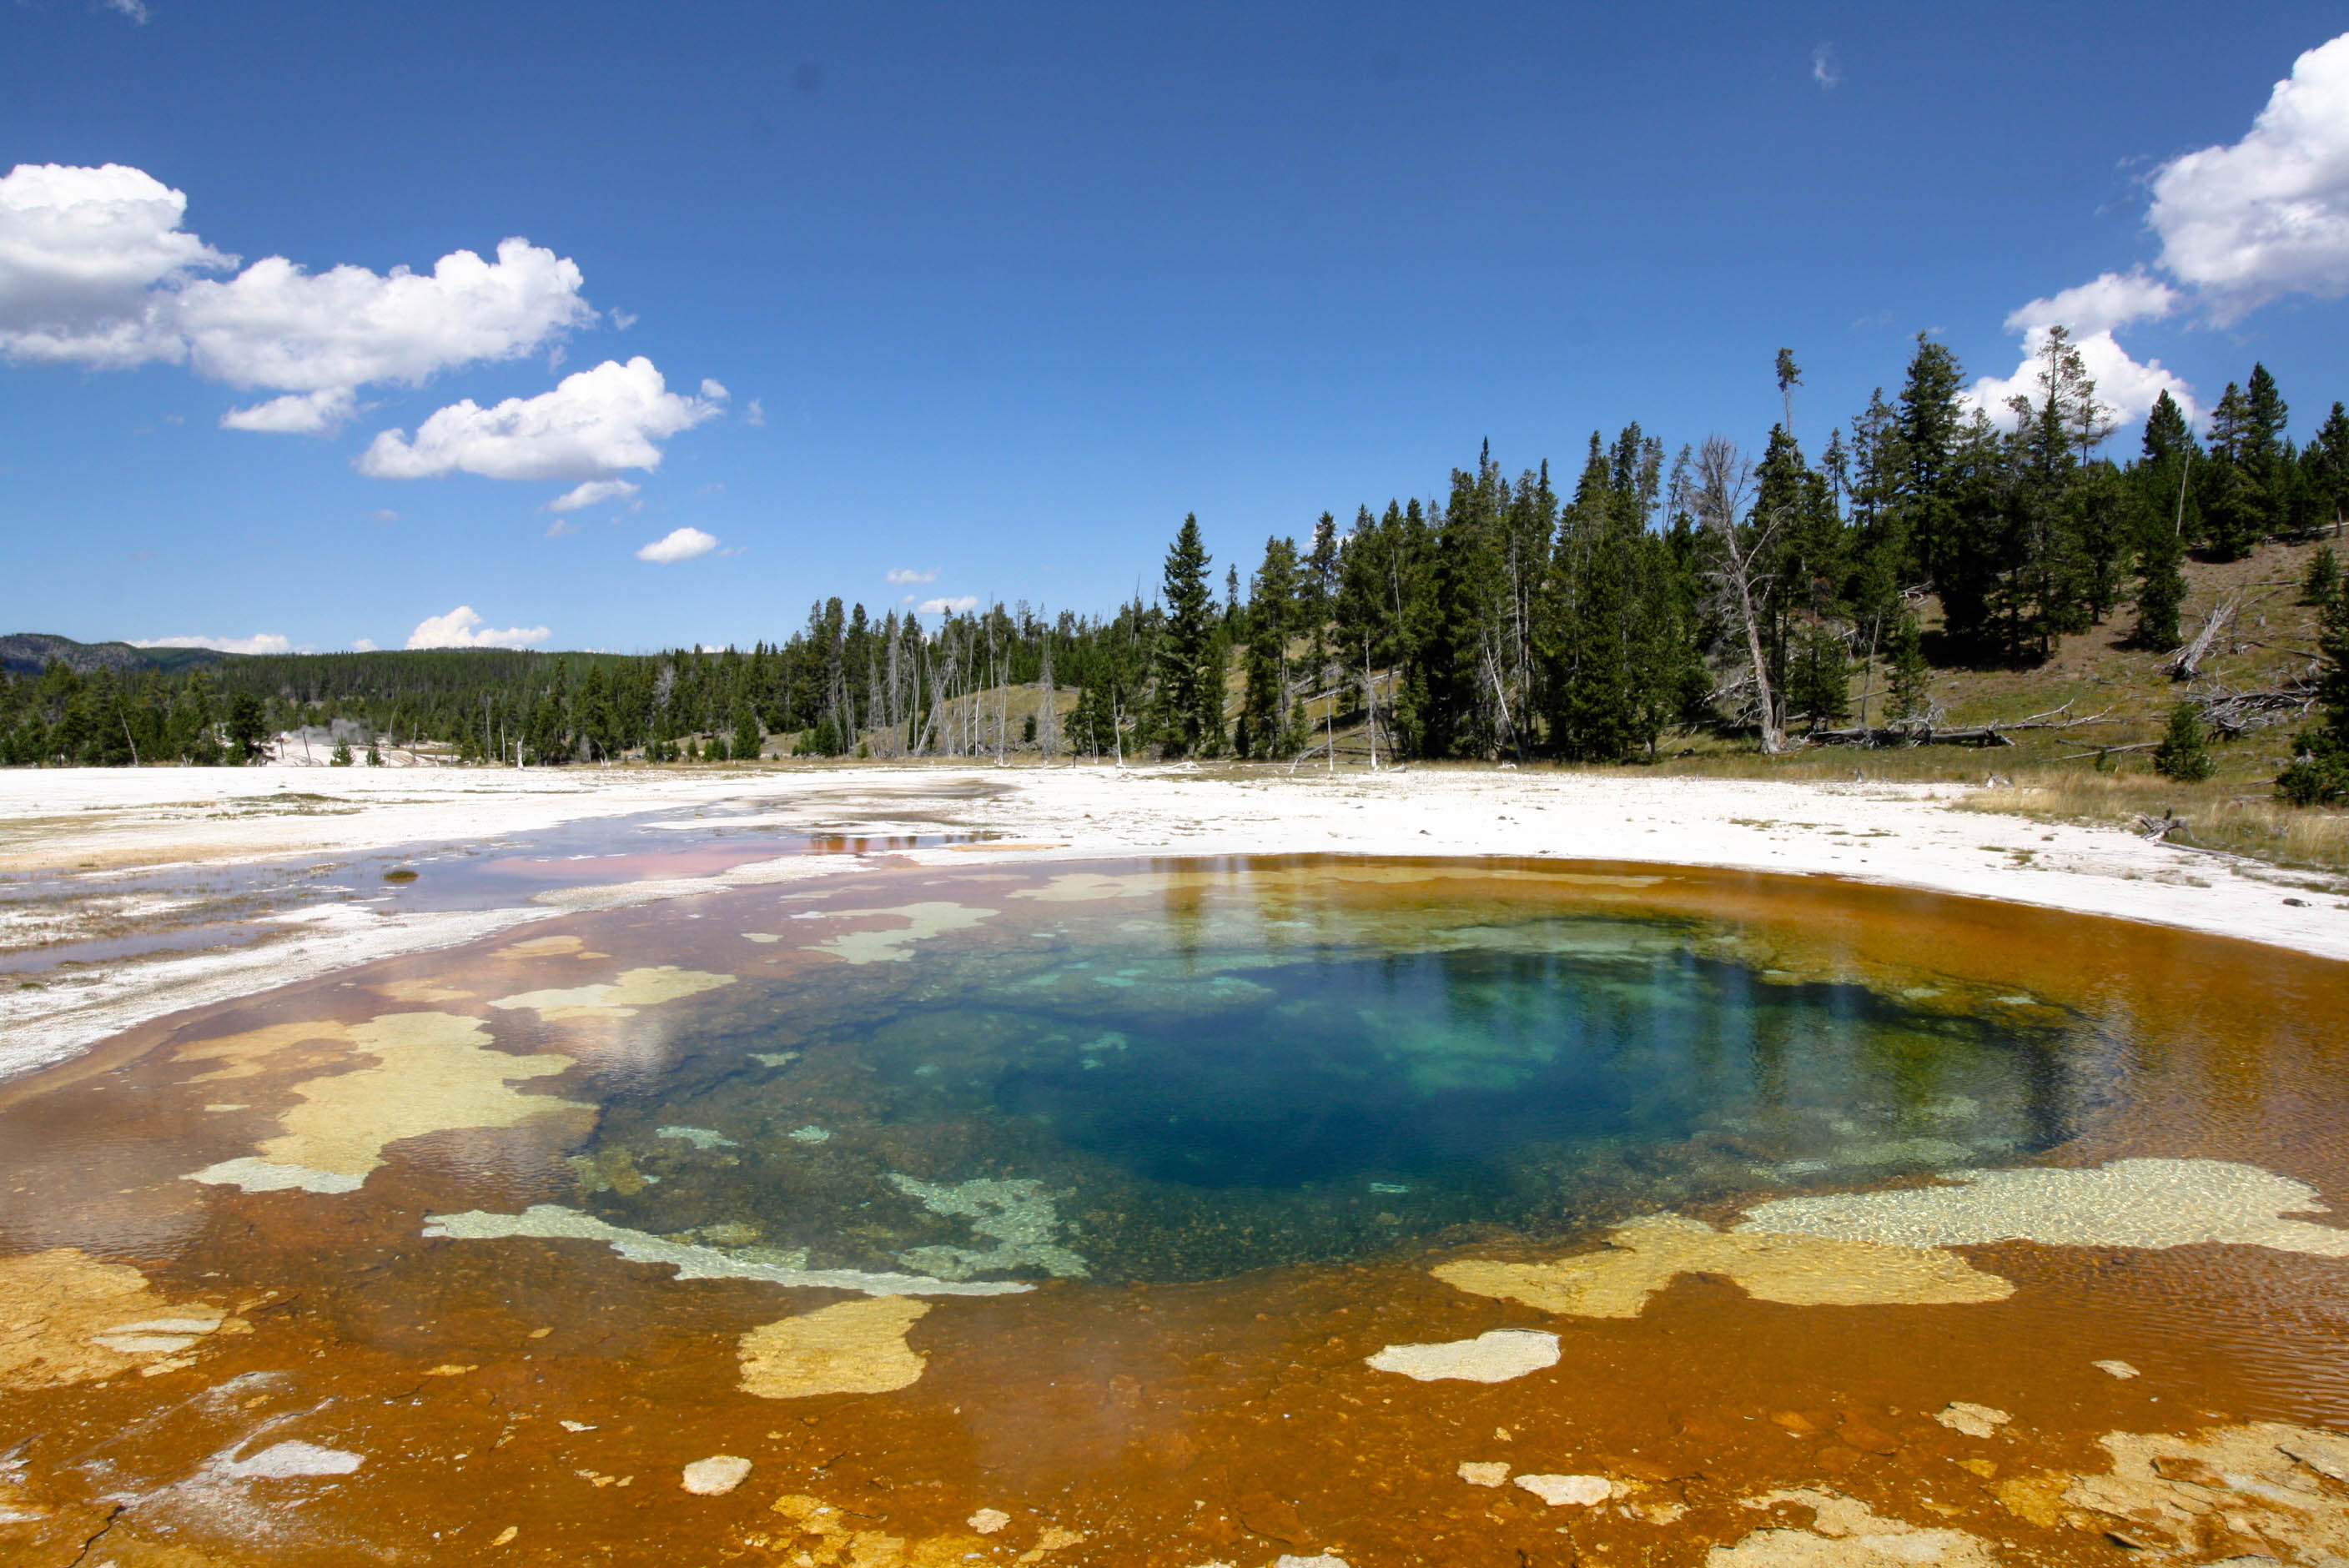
x=2212 y=815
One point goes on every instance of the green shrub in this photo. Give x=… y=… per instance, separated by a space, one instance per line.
x=2184 y=753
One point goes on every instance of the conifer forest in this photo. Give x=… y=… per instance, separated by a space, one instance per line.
x=1776 y=593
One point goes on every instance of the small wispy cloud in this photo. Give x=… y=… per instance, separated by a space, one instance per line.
x=134 y=9
x=1826 y=69
x=948 y=607
x=383 y=514
x=622 y=320
x=363 y=645
x=755 y=414
x=562 y=527
x=595 y=492
x=904 y=574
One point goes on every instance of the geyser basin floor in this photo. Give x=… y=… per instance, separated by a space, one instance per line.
x=1087 y=1193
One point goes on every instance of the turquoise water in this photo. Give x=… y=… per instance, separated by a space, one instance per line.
x=1188 y=1093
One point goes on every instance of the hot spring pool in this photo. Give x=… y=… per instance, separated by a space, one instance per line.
x=1204 y=1072
x=928 y=1187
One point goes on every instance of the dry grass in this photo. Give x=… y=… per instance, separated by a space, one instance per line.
x=2214 y=815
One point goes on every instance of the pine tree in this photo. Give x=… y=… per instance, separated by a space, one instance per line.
x=247 y=725
x=2160 y=592
x=2268 y=453
x=2323 y=577
x=1318 y=599
x=1819 y=685
x=2167 y=432
x=1929 y=432
x=747 y=737
x=2326 y=465
x=192 y=736
x=1190 y=689
x=1909 y=698
x=1089 y=723
x=2320 y=774
x=1617 y=649
x=2101 y=523
x=2234 y=506
x=1272 y=611
x=1591 y=701
x=2184 y=753
x=342 y=754
x=1460 y=703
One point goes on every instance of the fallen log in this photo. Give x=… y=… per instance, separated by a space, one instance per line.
x=2233 y=713
x=1909 y=735
x=2189 y=660
x=1920 y=732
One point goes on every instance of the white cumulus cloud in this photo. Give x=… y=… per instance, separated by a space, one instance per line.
x=2093 y=311
x=461 y=628
x=907 y=574
x=678 y=544
x=363 y=645
x=592 y=425
x=2112 y=300
x=260 y=643
x=96 y=270
x=2241 y=226
x=296 y=413
x=2125 y=386
x=275 y=324
x=82 y=253
x=2268 y=215
x=948 y=607
x=593 y=493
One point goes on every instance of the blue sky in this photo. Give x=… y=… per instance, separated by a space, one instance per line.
x=988 y=297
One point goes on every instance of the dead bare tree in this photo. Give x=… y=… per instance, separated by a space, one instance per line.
x=1725 y=483
x=1048 y=711
x=2189 y=662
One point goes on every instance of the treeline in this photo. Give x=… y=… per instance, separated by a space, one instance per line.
x=846 y=683
x=1754 y=594
x=1757 y=593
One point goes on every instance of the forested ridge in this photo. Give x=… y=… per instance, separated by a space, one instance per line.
x=1775 y=596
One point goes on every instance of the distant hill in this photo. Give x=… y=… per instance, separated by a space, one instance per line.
x=30 y=653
